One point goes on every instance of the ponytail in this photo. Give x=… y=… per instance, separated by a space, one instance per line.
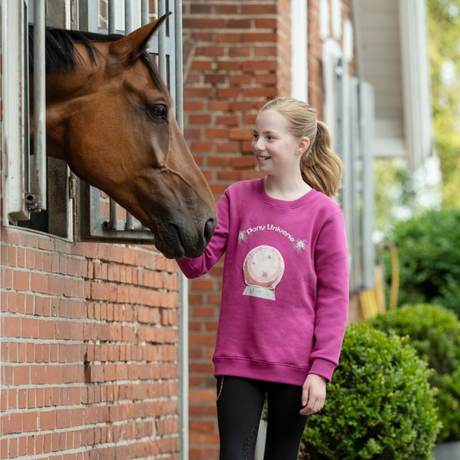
x=321 y=168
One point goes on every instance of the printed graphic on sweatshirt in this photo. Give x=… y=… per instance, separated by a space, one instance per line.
x=263 y=269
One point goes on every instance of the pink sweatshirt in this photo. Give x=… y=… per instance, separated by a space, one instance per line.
x=285 y=284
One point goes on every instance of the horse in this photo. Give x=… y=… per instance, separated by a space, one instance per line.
x=109 y=117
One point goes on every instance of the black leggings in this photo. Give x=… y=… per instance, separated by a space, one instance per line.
x=239 y=407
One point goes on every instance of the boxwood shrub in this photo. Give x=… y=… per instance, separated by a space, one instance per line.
x=379 y=404
x=434 y=332
x=429 y=259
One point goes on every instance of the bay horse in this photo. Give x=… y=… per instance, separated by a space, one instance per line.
x=109 y=116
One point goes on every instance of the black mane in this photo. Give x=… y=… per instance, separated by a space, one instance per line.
x=61 y=58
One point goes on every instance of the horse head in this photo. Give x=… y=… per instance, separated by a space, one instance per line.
x=109 y=116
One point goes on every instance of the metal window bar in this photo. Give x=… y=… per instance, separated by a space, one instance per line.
x=164 y=44
x=37 y=199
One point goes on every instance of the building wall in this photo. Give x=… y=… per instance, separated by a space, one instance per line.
x=236 y=57
x=89 y=331
x=89 y=349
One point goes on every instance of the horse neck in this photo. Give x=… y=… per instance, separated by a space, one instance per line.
x=62 y=91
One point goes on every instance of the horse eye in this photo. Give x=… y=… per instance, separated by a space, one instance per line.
x=158 y=111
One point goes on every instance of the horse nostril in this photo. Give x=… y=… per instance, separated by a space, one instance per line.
x=209 y=230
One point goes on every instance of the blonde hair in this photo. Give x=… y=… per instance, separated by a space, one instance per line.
x=321 y=169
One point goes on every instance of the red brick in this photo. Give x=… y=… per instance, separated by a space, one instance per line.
x=245 y=79
x=267 y=91
x=240 y=134
x=258 y=9
x=240 y=51
x=227 y=65
x=11 y=326
x=229 y=38
x=218 y=105
x=226 y=9
x=227 y=147
x=201 y=65
x=214 y=51
x=258 y=65
x=201 y=146
x=200 y=119
x=200 y=8
x=215 y=78
x=266 y=23
x=30 y=421
x=21 y=375
x=203 y=36
x=258 y=37
x=213 y=133
x=198 y=92
x=228 y=92
x=192 y=106
x=227 y=120
x=239 y=23
x=203 y=23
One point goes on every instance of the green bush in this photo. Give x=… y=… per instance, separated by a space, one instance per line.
x=434 y=332
x=429 y=257
x=379 y=404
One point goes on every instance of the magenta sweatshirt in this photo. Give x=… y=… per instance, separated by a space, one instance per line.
x=285 y=284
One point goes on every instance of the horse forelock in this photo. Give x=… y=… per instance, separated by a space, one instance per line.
x=61 y=52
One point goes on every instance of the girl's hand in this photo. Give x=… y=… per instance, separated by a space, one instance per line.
x=313 y=394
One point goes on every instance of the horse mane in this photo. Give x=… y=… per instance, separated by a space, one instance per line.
x=60 y=52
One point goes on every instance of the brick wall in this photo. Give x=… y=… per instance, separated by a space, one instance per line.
x=236 y=57
x=89 y=356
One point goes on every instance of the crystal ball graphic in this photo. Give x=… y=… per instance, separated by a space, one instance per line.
x=263 y=266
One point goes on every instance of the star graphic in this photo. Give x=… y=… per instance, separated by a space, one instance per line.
x=299 y=245
x=242 y=236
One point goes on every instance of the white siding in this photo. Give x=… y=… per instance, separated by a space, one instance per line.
x=379 y=62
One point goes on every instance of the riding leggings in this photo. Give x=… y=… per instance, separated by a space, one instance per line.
x=239 y=408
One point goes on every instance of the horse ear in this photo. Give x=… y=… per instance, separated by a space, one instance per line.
x=129 y=48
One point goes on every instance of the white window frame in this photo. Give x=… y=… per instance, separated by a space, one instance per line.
x=299 y=53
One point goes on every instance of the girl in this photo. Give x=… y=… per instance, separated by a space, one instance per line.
x=285 y=284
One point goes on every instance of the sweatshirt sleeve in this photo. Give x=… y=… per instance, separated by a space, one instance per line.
x=331 y=262
x=194 y=268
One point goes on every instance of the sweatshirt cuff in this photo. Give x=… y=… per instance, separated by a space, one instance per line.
x=186 y=266
x=322 y=367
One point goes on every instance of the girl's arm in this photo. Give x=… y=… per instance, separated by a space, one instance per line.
x=194 y=268
x=331 y=261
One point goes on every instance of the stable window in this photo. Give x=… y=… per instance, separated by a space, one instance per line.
x=31 y=202
x=40 y=190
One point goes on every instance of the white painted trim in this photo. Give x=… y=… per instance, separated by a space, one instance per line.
x=331 y=52
x=336 y=17
x=348 y=42
x=299 y=53
x=324 y=20
x=416 y=82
